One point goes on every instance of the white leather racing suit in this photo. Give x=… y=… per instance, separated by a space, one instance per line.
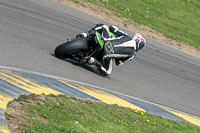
x=124 y=47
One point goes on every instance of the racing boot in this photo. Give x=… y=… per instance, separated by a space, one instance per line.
x=101 y=68
x=93 y=61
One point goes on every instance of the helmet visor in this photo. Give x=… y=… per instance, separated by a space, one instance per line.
x=139 y=44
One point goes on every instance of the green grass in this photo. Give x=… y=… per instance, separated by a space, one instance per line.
x=175 y=19
x=45 y=114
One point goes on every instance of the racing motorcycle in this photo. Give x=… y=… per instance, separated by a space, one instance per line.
x=81 y=49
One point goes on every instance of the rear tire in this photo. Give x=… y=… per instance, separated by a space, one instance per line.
x=66 y=49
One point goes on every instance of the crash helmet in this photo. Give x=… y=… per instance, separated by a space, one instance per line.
x=140 y=41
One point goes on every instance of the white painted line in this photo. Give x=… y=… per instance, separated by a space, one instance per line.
x=101 y=88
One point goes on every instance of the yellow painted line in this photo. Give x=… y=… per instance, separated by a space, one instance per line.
x=26 y=84
x=185 y=117
x=4 y=130
x=4 y=100
x=102 y=95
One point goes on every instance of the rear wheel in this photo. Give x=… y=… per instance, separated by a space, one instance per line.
x=67 y=49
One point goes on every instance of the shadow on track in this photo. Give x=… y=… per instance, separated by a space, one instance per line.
x=85 y=66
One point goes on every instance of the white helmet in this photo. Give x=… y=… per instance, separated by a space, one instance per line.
x=140 y=41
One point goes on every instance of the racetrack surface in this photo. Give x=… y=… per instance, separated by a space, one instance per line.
x=31 y=29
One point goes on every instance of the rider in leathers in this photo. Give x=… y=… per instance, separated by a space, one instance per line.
x=122 y=47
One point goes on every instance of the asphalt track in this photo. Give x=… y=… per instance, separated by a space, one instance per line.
x=31 y=29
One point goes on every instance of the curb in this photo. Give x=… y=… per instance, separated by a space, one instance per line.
x=15 y=82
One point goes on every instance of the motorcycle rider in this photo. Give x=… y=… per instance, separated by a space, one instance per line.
x=117 y=44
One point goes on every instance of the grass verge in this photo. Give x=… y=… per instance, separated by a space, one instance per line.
x=42 y=114
x=176 y=19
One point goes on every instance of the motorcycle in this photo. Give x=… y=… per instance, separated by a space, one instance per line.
x=81 y=49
